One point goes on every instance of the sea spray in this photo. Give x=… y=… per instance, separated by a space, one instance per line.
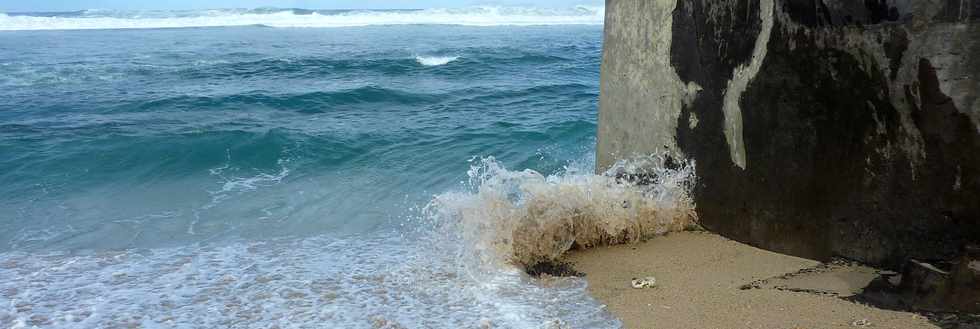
x=524 y=218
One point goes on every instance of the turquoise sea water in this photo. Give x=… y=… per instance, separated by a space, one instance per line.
x=258 y=176
x=192 y=134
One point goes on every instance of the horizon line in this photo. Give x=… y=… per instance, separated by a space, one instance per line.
x=273 y=7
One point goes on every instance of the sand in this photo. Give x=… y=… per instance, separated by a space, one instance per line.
x=700 y=284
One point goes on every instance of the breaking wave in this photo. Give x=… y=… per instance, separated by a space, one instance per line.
x=472 y=16
x=435 y=60
x=524 y=218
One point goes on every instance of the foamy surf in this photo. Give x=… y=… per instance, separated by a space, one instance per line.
x=472 y=16
x=462 y=268
x=435 y=60
x=319 y=282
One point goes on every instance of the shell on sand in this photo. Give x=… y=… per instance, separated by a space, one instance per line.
x=647 y=282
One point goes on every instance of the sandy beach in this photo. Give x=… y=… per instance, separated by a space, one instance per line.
x=702 y=282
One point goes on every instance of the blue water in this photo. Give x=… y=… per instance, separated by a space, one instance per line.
x=251 y=176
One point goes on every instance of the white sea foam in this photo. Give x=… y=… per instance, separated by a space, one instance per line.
x=435 y=60
x=320 y=282
x=472 y=16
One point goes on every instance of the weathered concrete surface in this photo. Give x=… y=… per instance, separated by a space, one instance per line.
x=819 y=127
x=636 y=74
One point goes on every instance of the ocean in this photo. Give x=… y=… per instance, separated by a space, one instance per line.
x=288 y=168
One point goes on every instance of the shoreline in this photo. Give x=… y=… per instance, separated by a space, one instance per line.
x=707 y=281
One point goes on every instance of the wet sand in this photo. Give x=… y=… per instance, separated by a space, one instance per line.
x=706 y=281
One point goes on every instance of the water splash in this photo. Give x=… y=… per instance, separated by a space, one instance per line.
x=523 y=218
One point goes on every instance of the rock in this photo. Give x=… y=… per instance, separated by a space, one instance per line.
x=924 y=286
x=895 y=280
x=965 y=291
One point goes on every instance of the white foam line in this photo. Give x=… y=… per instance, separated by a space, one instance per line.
x=476 y=16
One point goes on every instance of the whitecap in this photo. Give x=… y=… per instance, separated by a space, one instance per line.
x=435 y=60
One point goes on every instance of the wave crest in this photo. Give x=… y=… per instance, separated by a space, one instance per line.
x=435 y=60
x=525 y=218
x=272 y=17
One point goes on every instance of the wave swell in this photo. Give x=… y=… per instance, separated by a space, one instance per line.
x=472 y=16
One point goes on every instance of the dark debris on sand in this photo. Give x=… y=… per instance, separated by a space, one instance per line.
x=553 y=268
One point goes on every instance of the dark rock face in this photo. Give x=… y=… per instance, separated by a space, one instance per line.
x=819 y=127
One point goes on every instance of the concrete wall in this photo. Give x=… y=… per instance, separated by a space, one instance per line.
x=819 y=127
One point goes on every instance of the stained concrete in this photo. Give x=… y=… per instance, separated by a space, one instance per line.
x=641 y=89
x=819 y=128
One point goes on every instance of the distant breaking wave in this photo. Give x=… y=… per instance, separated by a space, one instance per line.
x=471 y=16
x=435 y=60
